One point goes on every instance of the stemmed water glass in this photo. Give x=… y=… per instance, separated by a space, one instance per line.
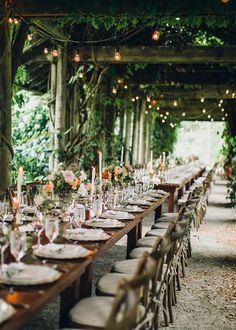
x=18 y=244
x=51 y=228
x=4 y=242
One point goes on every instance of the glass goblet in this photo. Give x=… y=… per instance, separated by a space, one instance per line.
x=18 y=244
x=51 y=228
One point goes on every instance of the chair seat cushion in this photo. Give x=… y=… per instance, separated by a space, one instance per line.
x=92 y=311
x=146 y=241
x=160 y=225
x=139 y=251
x=109 y=283
x=170 y=215
x=156 y=232
x=126 y=266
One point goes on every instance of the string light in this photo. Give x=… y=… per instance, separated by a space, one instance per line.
x=233 y=95
x=204 y=110
x=223 y=118
x=183 y=114
x=77 y=57
x=219 y=105
x=146 y=112
x=81 y=74
x=30 y=37
x=227 y=91
x=150 y=106
x=163 y=121
x=148 y=99
x=114 y=90
x=221 y=101
x=45 y=50
x=10 y=20
x=212 y=119
x=120 y=81
x=161 y=115
x=55 y=53
x=137 y=97
x=156 y=35
x=222 y=109
x=209 y=116
x=158 y=108
x=16 y=21
x=167 y=113
x=133 y=99
x=175 y=103
x=165 y=117
x=226 y=115
x=117 y=55
x=126 y=87
x=202 y=99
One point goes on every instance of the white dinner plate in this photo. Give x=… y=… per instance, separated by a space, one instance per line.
x=132 y=209
x=105 y=223
x=22 y=274
x=141 y=202
x=118 y=215
x=61 y=251
x=6 y=311
x=84 y=234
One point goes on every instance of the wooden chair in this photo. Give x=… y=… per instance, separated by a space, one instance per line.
x=12 y=190
x=126 y=311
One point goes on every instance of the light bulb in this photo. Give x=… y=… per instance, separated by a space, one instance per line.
x=81 y=75
x=117 y=56
x=204 y=110
x=219 y=105
x=55 y=53
x=163 y=121
x=202 y=99
x=16 y=21
x=165 y=117
x=148 y=99
x=223 y=118
x=45 y=50
x=209 y=116
x=227 y=91
x=175 y=103
x=137 y=97
x=126 y=87
x=161 y=115
x=133 y=99
x=156 y=35
x=158 y=108
x=233 y=95
x=183 y=114
x=10 y=20
x=212 y=119
x=150 y=106
x=222 y=109
x=114 y=90
x=167 y=113
x=30 y=37
x=146 y=112
x=77 y=57
x=226 y=115
x=221 y=101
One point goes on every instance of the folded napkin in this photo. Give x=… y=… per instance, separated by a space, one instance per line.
x=61 y=251
x=6 y=311
x=98 y=233
x=116 y=214
x=29 y=210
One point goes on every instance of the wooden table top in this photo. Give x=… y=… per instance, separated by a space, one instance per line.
x=38 y=296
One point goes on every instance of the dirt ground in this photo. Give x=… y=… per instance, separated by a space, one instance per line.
x=208 y=296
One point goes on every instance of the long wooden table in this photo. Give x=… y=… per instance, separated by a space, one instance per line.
x=76 y=279
x=172 y=188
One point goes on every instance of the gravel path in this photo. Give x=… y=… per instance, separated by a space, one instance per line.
x=207 y=299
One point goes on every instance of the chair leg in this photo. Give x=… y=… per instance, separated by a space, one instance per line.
x=174 y=291
x=183 y=266
x=178 y=279
x=165 y=303
x=170 y=293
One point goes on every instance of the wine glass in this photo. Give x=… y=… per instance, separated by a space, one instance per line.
x=79 y=214
x=51 y=228
x=18 y=244
x=97 y=207
x=39 y=225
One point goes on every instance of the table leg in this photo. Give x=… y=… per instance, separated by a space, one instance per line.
x=78 y=290
x=180 y=193
x=171 y=202
x=132 y=239
x=140 y=227
x=158 y=212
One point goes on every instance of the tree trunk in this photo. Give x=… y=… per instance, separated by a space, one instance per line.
x=6 y=151
x=142 y=134
x=53 y=85
x=60 y=107
x=135 y=140
x=127 y=136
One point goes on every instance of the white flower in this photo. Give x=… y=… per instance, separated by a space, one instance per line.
x=82 y=176
x=36 y=126
x=82 y=191
x=38 y=199
x=68 y=176
x=39 y=116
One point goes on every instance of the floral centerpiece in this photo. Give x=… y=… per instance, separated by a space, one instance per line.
x=118 y=175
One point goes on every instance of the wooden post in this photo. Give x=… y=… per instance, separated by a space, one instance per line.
x=142 y=134
x=127 y=136
x=53 y=80
x=135 y=140
x=60 y=107
x=6 y=151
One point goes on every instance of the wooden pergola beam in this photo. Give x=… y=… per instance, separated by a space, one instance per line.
x=161 y=54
